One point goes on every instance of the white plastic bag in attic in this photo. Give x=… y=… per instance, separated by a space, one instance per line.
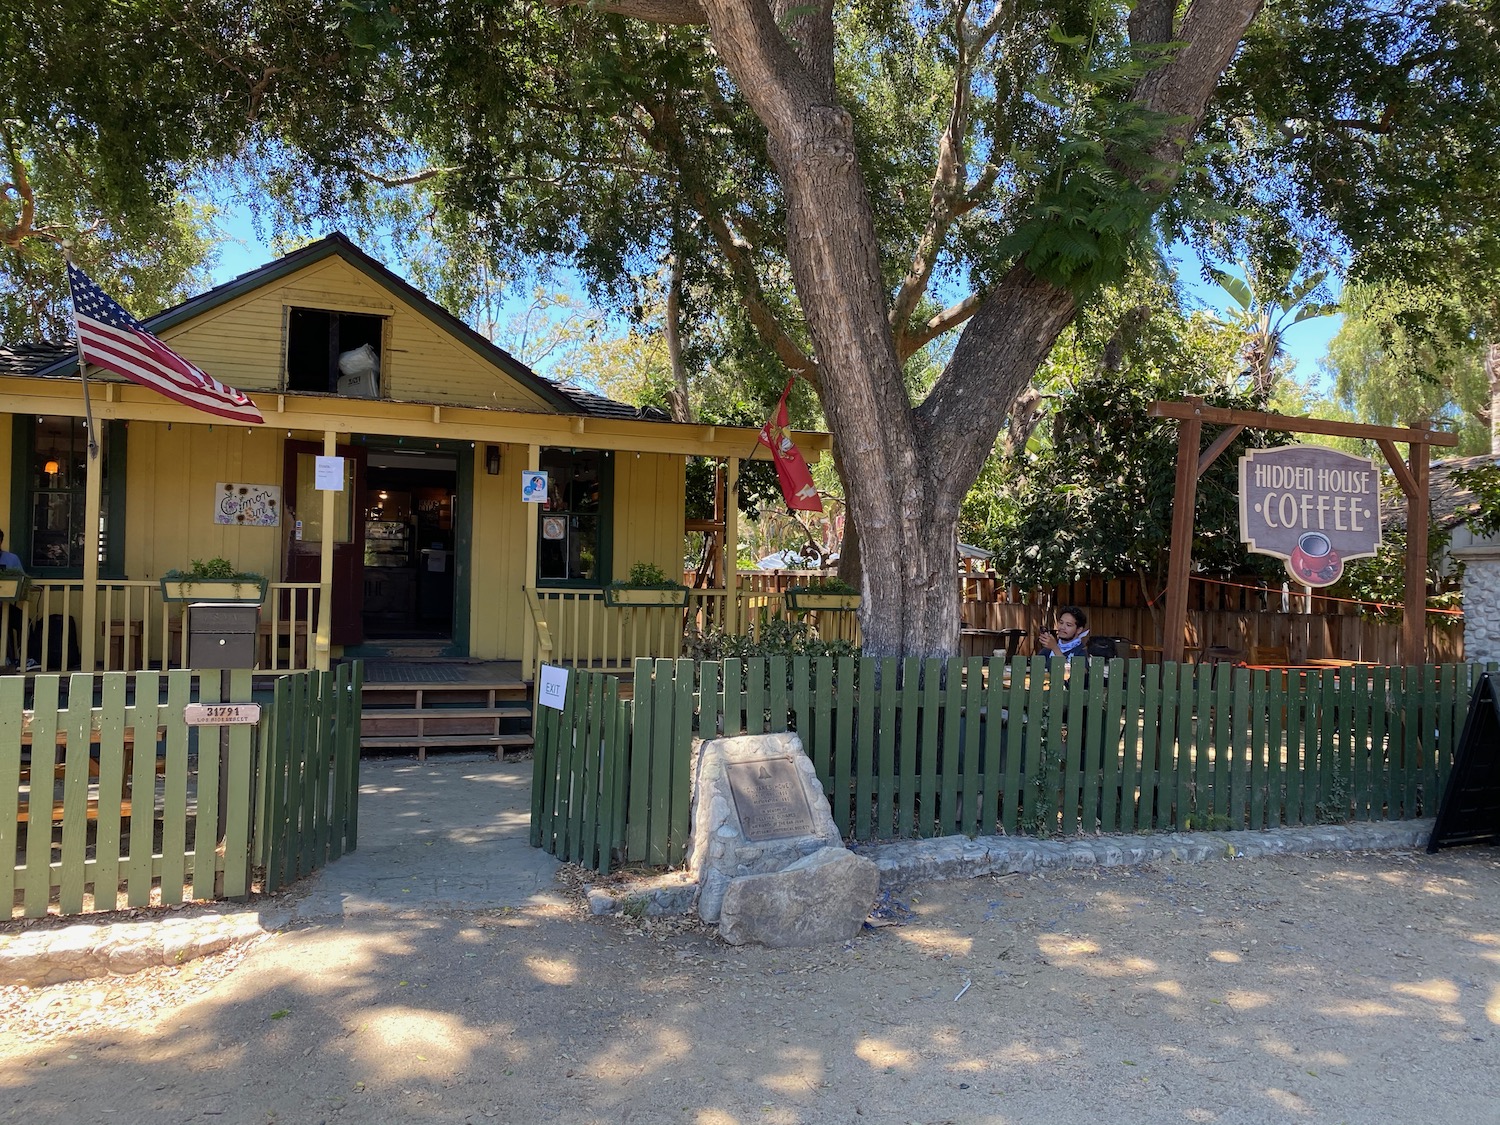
x=359 y=373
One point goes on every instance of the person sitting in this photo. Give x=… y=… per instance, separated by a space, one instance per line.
x=9 y=560
x=11 y=642
x=1067 y=637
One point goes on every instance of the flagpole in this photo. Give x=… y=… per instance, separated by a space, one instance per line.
x=83 y=373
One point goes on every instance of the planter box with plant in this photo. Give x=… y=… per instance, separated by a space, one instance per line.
x=14 y=585
x=823 y=594
x=214 y=580
x=648 y=585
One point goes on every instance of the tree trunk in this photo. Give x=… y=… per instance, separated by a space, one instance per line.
x=1492 y=372
x=682 y=405
x=910 y=468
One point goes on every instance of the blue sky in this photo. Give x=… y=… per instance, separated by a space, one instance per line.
x=1305 y=343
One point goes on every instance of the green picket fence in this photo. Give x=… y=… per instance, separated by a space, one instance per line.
x=916 y=748
x=578 y=782
x=109 y=798
x=308 y=784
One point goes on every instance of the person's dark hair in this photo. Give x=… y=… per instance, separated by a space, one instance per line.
x=1076 y=614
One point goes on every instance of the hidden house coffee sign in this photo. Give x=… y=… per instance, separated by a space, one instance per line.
x=1315 y=508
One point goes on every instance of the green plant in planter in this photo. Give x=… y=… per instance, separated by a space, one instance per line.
x=648 y=585
x=213 y=579
x=823 y=594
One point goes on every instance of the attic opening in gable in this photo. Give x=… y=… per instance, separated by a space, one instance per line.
x=333 y=353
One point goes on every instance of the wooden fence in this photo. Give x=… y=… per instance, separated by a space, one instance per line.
x=1231 y=615
x=109 y=798
x=917 y=748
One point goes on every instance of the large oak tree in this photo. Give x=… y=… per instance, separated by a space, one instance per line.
x=846 y=185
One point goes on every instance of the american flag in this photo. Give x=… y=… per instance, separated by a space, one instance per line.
x=111 y=338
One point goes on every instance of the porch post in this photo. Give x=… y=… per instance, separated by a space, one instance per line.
x=92 y=509
x=528 y=575
x=732 y=547
x=322 y=643
x=1418 y=512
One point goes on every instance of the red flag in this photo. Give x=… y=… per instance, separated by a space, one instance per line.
x=114 y=340
x=791 y=470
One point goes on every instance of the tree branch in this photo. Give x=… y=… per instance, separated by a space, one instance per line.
x=402 y=181
x=945 y=321
x=949 y=199
x=20 y=186
x=671 y=12
x=665 y=137
x=1211 y=31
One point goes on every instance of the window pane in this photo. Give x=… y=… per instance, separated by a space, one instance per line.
x=570 y=545
x=310 y=501
x=57 y=486
x=583 y=548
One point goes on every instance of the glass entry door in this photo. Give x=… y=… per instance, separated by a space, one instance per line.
x=304 y=511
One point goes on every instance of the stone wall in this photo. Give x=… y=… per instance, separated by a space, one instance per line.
x=1481 y=601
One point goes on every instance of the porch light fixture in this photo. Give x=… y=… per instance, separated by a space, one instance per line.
x=492 y=460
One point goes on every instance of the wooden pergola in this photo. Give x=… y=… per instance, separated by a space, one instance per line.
x=1193 y=461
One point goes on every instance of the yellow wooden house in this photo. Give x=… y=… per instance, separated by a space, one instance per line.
x=382 y=499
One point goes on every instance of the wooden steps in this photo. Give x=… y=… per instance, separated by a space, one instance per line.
x=23 y=810
x=439 y=713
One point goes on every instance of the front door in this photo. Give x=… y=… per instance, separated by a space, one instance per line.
x=304 y=509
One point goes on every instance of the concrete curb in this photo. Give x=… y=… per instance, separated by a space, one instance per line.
x=84 y=950
x=959 y=857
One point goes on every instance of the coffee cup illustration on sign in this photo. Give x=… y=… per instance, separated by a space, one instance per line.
x=1314 y=561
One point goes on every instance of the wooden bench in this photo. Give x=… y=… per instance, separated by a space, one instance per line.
x=23 y=810
x=59 y=772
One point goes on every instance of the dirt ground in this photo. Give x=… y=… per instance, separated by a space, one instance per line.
x=1361 y=989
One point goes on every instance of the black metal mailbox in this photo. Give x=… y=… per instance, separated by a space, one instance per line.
x=222 y=634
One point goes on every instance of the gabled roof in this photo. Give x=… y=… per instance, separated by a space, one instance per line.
x=30 y=358
x=1448 y=503
x=48 y=359
x=597 y=406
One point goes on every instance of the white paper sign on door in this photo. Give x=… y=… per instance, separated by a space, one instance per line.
x=328 y=474
x=554 y=686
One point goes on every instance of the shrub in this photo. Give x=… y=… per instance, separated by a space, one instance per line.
x=776 y=637
x=829 y=585
x=649 y=576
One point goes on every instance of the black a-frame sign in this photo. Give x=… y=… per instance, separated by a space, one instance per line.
x=1470 y=812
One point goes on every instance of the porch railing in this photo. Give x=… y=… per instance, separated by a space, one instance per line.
x=135 y=629
x=576 y=629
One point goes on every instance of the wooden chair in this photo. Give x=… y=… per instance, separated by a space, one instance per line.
x=1010 y=642
x=1108 y=647
x=1269 y=654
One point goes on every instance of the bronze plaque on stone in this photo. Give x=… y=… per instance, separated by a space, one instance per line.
x=769 y=798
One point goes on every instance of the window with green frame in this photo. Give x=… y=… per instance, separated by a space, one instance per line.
x=573 y=526
x=48 y=502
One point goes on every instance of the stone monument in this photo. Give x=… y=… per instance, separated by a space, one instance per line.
x=769 y=861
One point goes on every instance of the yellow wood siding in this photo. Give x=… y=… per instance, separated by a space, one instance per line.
x=498 y=618
x=170 y=480
x=650 y=490
x=242 y=342
x=647 y=526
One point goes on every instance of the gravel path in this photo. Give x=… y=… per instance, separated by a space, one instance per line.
x=1343 y=988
